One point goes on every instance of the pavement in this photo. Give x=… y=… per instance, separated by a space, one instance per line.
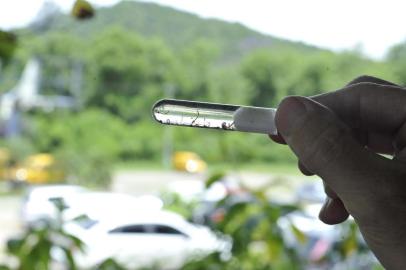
x=149 y=182
x=9 y=219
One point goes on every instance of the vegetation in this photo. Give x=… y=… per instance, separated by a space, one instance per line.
x=258 y=239
x=34 y=248
x=150 y=52
x=130 y=55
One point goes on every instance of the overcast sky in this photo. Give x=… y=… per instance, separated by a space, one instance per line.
x=371 y=25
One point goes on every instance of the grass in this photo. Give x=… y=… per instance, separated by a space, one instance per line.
x=139 y=165
x=274 y=168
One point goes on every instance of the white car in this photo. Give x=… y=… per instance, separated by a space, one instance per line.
x=38 y=206
x=152 y=238
x=108 y=205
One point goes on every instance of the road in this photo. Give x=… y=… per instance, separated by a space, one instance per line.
x=151 y=182
x=9 y=219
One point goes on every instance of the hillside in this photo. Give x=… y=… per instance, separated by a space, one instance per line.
x=178 y=29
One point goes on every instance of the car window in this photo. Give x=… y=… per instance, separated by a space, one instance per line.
x=148 y=228
x=130 y=229
x=163 y=229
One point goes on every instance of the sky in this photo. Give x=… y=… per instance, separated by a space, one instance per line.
x=371 y=26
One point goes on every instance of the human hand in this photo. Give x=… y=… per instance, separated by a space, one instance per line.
x=338 y=136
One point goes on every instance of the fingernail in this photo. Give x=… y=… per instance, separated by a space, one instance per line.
x=289 y=110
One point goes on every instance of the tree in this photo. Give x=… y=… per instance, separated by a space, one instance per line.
x=127 y=73
x=259 y=70
x=397 y=57
x=196 y=68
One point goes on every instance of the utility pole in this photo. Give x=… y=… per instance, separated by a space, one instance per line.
x=167 y=145
x=76 y=79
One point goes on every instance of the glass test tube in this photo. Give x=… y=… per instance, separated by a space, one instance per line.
x=215 y=116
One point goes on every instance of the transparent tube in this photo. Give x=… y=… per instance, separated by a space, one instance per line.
x=195 y=114
x=215 y=116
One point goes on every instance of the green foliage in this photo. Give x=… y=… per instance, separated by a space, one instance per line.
x=396 y=57
x=213 y=178
x=258 y=241
x=130 y=60
x=110 y=264
x=260 y=70
x=195 y=70
x=173 y=202
x=33 y=248
x=135 y=53
x=8 y=44
x=177 y=29
x=127 y=73
x=84 y=144
x=19 y=148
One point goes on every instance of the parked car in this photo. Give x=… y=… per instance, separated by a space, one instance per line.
x=106 y=205
x=38 y=205
x=142 y=239
x=189 y=162
x=37 y=169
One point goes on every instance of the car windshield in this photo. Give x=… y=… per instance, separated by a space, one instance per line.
x=147 y=228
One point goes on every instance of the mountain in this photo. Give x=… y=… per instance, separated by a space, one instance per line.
x=178 y=29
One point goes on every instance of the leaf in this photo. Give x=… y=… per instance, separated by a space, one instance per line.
x=14 y=245
x=215 y=177
x=300 y=236
x=287 y=208
x=350 y=244
x=110 y=264
x=70 y=259
x=8 y=44
x=82 y=10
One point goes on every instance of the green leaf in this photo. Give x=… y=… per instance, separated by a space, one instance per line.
x=70 y=259
x=300 y=236
x=14 y=245
x=110 y=264
x=8 y=44
x=215 y=177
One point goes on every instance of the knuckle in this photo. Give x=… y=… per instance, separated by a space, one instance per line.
x=361 y=86
x=362 y=79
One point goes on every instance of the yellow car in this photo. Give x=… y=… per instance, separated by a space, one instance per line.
x=188 y=161
x=37 y=169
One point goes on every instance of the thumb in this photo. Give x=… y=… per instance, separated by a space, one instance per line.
x=324 y=144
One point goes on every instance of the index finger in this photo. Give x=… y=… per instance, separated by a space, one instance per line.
x=325 y=100
x=368 y=106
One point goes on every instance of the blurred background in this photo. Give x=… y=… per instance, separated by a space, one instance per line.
x=90 y=181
